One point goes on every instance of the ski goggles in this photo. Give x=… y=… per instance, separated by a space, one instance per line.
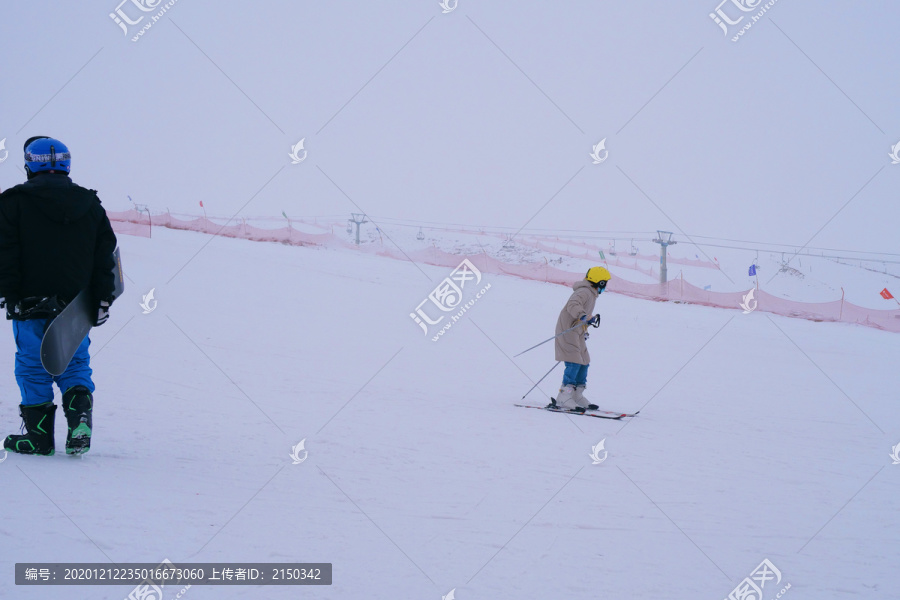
x=54 y=157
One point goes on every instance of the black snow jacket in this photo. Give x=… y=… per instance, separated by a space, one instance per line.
x=55 y=240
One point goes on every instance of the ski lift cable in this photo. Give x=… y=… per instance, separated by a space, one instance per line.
x=612 y=236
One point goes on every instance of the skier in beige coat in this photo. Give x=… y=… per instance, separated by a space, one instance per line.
x=571 y=347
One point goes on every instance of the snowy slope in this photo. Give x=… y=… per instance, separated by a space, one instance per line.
x=759 y=437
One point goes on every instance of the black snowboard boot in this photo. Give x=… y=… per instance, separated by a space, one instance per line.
x=37 y=425
x=78 y=404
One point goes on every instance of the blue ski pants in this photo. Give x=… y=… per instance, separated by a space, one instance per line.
x=35 y=383
x=575 y=374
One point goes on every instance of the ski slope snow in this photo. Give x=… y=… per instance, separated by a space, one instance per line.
x=760 y=437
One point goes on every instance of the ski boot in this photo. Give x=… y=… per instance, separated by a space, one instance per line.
x=37 y=428
x=564 y=399
x=580 y=400
x=78 y=404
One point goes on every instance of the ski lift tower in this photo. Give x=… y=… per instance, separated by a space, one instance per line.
x=664 y=240
x=357 y=219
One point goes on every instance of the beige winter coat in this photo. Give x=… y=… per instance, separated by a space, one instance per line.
x=571 y=347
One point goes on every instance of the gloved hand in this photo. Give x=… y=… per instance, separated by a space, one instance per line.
x=11 y=306
x=102 y=313
x=595 y=320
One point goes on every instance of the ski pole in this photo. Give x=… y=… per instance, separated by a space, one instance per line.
x=579 y=324
x=541 y=379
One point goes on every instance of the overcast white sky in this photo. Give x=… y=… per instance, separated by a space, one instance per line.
x=483 y=115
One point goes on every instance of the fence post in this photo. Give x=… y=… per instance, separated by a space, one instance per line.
x=841 y=314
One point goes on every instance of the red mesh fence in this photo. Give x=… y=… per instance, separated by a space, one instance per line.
x=132 y=222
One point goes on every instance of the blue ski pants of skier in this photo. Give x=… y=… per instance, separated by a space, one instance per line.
x=575 y=374
x=35 y=383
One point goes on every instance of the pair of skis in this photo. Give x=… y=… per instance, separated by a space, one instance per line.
x=598 y=414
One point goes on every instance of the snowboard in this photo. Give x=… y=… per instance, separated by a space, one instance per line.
x=66 y=332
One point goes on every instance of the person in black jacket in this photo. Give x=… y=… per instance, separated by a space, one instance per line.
x=55 y=240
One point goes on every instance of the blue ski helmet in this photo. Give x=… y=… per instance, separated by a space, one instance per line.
x=47 y=154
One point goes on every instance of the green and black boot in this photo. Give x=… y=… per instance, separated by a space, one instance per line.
x=78 y=405
x=37 y=425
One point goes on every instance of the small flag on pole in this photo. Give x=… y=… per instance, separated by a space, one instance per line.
x=886 y=294
x=285 y=216
x=752 y=270
x=201 y=204
x=706 y=287
x=602 y=256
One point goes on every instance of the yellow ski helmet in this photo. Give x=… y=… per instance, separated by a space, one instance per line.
x=597 y=274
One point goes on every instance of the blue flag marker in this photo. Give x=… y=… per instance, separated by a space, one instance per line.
x=752 y=271
x=706 y=287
